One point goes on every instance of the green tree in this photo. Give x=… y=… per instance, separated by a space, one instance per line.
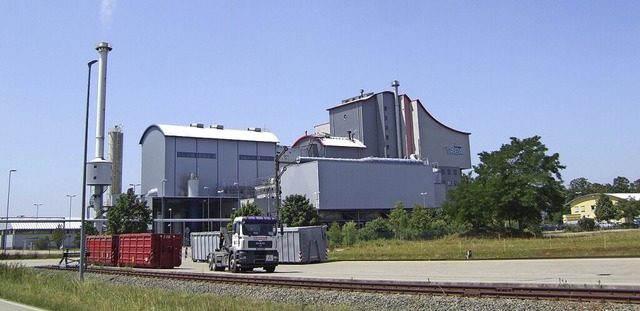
x=605 y=210
x=129 y=215
x=636 y=186
x=628 y=209
x=399 y=221
x=471 y=203
x=335 y=234
x=375 y=229
x=349 y=233
x=621 y=185
x=513 y=187
x=577 y=187
x=57 y=236
x=419 y=221
x=587 y=224
x=247 y=209
x=296 y=211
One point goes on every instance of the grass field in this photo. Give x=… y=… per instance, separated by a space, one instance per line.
x=65 y=292
x=611 y=243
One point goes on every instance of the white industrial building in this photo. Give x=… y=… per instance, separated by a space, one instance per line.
x=375 y=151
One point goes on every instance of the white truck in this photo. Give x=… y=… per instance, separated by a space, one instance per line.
x=252 y=243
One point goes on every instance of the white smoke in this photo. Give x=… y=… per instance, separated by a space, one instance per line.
x=107 y=8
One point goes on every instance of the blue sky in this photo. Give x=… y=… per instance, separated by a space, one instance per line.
x=568 y=71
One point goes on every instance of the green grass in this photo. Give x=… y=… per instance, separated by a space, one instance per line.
x=590 y=244
x=63 y=291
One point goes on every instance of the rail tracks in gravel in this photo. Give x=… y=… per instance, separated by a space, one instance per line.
x=391 y=287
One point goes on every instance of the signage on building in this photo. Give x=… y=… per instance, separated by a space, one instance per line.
x=453 y=150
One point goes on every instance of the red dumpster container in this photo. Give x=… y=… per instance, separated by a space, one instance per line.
x=102 y=249
x=150 y=250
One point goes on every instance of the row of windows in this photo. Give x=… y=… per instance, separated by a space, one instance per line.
x=256 y=157
x=582 y=209
x=204 y=155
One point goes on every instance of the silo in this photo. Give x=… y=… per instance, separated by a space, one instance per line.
x=115 y=142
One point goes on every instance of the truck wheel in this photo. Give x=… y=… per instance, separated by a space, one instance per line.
x=233 y=265
x=270 y=269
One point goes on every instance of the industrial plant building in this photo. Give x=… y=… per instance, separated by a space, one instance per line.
x=377 y=150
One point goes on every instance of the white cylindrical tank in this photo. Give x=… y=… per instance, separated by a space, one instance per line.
x=193 y=186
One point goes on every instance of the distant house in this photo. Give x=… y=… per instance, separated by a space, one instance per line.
x=585 y=206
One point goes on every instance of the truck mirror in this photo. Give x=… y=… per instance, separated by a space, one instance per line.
x=281 y=229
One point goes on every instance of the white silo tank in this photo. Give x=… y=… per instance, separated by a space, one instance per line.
x=193 y=186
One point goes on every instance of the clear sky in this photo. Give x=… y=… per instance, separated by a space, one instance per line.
x=568 y=71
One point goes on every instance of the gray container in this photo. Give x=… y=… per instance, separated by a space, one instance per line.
x=303 y=245
x=204 y=243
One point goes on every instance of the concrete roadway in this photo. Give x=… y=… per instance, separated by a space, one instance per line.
x=606 y=272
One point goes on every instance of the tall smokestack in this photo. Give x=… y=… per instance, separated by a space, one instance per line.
x=100 y=169
x=103 y=48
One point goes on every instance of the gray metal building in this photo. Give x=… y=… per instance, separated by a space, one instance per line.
x=194 y=176
x=375 y=127
x=375 y=151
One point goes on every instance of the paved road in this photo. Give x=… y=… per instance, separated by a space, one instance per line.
x=614 y=272
x=6 y=305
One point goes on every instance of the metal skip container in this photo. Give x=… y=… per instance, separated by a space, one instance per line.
x=303 y=244
x=203 y=244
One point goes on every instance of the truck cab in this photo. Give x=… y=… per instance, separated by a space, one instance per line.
x=252 y=243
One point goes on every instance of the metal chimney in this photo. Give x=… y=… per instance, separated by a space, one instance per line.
x=398 y=112
x=103 y=48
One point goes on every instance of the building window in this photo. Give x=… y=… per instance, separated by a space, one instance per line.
x=202 y=155
x=255 y=157
x=386 y=137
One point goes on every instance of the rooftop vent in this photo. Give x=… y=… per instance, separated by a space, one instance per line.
x=198 y=125
x=217 y=126
x=362 y=95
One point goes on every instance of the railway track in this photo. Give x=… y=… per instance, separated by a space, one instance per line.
x=397 y=287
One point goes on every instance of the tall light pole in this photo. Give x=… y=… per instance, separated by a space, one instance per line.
x=6 y=224
x=71 y=196
x=84 y=177
x=170 y=227
x=164 y=181
x=237 y=192
x=37 y=205
x=220 y=192
x=424 y=199
x=208 y=207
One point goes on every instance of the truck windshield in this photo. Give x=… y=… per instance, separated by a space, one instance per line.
x=259 y=229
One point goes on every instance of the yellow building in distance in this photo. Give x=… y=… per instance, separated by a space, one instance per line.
x=585 y=206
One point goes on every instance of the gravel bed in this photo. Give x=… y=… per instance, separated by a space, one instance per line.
x=356 y=300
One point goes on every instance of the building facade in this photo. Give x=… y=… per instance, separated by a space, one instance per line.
x=195 y=176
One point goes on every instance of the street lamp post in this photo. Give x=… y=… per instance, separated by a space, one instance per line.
x=237 y=192
x=6 y=224
x=70 y=196
x=37 y=205
x=84 y=177
x=164 y=181
x=170 y=227
x=208 y=208
x=424 y=199
x=220 y=192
